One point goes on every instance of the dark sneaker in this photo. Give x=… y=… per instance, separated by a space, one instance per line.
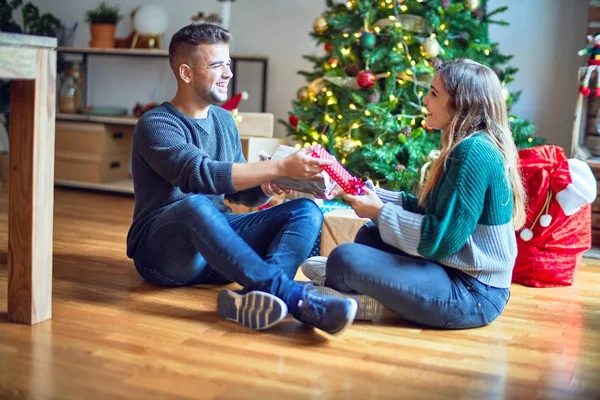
x=255 y=310
x=328 y=313
x=314 y=269
x=368 y=308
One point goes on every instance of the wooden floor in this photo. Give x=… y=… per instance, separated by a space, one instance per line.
x=112 y=336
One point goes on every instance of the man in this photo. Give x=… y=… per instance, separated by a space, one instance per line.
x=187 y=159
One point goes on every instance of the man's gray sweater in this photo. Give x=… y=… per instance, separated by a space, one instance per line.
x=175 y=156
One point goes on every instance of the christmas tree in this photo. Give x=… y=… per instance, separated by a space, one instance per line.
x=363 y=101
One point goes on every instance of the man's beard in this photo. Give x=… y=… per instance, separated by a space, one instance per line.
x=212 y=97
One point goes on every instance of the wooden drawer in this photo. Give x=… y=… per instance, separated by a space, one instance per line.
x=84 y=137
x=93 y=168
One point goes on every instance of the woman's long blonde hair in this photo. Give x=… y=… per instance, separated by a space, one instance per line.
x=477 y=106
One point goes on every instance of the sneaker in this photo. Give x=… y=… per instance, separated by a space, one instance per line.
x=314 y=269
x=255 y=310
x=368 y=308
x=328 y=313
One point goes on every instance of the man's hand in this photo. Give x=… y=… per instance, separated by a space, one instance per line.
x=271 y=189
x=367 y=205
x=301 y=165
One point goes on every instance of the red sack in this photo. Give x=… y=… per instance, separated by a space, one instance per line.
x=559 y=192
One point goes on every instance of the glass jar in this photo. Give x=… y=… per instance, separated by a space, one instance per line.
x=67 y=100
x=75 y=71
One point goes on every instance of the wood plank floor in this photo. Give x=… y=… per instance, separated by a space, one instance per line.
x=113 y=336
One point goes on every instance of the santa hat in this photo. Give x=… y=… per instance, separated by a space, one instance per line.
x=234 y=102
x=582 y=189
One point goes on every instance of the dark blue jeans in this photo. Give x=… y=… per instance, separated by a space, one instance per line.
x=193 y=242
x=419 y=290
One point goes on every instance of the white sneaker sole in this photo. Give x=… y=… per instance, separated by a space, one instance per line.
x=255 y=310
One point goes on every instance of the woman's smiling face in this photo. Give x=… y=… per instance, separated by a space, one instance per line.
x=436 y=102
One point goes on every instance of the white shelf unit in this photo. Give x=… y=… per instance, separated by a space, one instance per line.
x=126 y=186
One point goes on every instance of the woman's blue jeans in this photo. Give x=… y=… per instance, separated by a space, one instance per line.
x=193 y=242
x=419 y=290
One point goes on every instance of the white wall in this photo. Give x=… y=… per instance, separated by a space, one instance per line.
x=544 y=37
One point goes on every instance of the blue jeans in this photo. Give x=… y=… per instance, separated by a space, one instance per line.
x=419 y=290
x=193 y=242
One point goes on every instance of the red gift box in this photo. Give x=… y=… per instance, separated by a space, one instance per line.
x=350 y=184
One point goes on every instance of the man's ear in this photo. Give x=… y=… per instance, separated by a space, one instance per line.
x=185 y=73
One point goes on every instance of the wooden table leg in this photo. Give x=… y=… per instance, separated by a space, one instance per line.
x=31 y=195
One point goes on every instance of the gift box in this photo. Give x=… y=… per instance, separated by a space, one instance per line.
x=340 y=225
x=321 y=184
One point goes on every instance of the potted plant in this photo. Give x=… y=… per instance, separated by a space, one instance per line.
x=103 y=25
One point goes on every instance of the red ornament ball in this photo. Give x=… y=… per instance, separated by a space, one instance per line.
x=293 y=119
x=366 y=79
x=328 y=47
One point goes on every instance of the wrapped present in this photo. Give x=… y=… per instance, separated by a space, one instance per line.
x=350 y=184
x=340 y=225
x=558 y=227
x=321 y=184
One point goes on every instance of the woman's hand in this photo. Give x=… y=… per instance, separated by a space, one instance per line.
x=367 y=205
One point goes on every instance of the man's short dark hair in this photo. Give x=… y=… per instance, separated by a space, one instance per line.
x=185 y=41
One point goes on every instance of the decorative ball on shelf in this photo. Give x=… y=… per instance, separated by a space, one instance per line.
x=401 y=138
x=328 y=47
x=367 y=40
x=366 y=79
x=374 y=97
x=320 y=25
x=348 y=145
x=430 y=48
x=151 y=19
x=293 y=119
x=351 y=70
x=302 y=93
x=472 y=5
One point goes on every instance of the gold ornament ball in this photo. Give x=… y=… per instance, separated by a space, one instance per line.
x=472 y=5
x=347 y=145
x=320 y=25
x=351 y=5
x=302 y=93
x=430 y=48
